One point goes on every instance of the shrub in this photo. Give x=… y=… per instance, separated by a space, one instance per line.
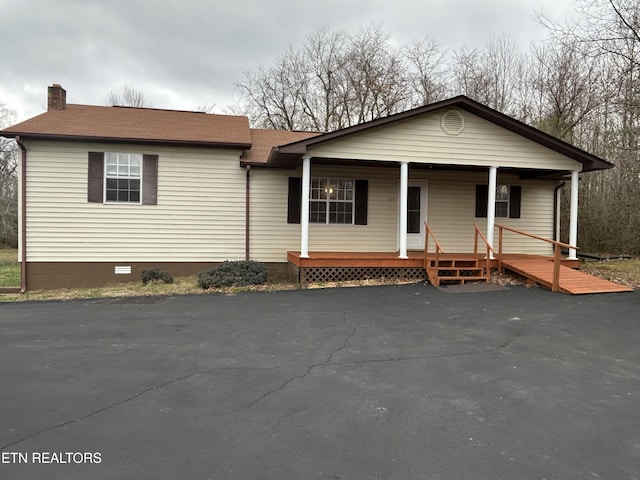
x=234 y=274
x=156 y=275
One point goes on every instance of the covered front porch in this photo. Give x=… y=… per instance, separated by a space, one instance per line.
x=450 y=197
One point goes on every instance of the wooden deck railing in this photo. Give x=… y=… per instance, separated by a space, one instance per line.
x=439 y=250
x=489 y=250
x=555 y=286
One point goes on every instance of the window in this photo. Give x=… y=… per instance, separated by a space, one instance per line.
x=344 y=201
x=502 y=201
x=414 y=210
x=331 y=200
x=130 y=178
x=123 y=172
x=508 y=199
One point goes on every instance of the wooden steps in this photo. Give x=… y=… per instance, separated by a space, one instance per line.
x=572 y=281
x=455 y=270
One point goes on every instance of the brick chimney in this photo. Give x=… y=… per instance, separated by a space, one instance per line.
x=57 y=98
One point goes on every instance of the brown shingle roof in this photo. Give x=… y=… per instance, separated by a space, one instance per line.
x=88 y=122
x=264 y=140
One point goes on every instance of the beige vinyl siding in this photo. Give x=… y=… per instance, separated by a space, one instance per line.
x=422 y=140
x=272 y=236
x=199 y=215
x=451 y=213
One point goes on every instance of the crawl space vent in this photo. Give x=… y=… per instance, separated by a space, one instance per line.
x=122 y=270
x=452 y=122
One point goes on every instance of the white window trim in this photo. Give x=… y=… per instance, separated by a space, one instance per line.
x=328 y=201
x=104 y=179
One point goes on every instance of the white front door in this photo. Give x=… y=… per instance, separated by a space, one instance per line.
x=416 y=213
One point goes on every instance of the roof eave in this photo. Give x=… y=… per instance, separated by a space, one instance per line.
x=138 y=141
x=286 y=159
x=589 y=161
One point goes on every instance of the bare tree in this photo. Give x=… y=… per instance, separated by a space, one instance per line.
x=427 y=62
x=602 y=27
x=272 y=94
x=568 y=88
x=8 y=183
x=128 y=97
x=324 y=100
x=491 y=75
x=335 y=80
x=374 y=76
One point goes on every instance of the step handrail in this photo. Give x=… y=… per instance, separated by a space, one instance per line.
x=438 y=248
x=557 y=255
x=489 y=250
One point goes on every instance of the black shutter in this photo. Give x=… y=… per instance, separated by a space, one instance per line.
x=95 y=181
x=482 y=193
x=362 y=200
x=294 y=199
x=515 y=197
x=150 y=180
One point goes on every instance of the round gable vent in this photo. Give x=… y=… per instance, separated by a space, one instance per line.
x=452 y=122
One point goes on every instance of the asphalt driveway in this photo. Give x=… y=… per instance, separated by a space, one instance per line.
x=406 y=382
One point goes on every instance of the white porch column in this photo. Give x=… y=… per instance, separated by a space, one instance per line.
x=558 y=213
x=404 y=188
x=304 y=207
x=573 y=216
x=491 y=205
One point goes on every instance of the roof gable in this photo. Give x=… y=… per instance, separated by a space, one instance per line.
x=289 y=155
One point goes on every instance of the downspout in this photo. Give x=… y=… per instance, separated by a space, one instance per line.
x=556 y=210
x=247 y=228
x=23 y=216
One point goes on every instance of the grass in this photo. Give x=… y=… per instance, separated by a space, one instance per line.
x=9 y=268
x=180 y=286
x=626 y=272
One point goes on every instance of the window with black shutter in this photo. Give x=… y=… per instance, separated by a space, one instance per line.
x=508 y=201
x=331 y=201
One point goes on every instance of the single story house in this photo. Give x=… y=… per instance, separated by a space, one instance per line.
x=108 y=191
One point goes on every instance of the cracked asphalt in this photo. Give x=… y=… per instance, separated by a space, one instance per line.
x=389 y=382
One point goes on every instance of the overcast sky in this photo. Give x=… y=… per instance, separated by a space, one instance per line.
x=187 y=53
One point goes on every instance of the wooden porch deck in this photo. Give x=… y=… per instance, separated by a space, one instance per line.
x=572 y=281
x=390 y=259
x=536 y=268
x=357 y=259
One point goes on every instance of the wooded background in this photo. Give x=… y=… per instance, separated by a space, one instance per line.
x=8 y=183
x=581 y=84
